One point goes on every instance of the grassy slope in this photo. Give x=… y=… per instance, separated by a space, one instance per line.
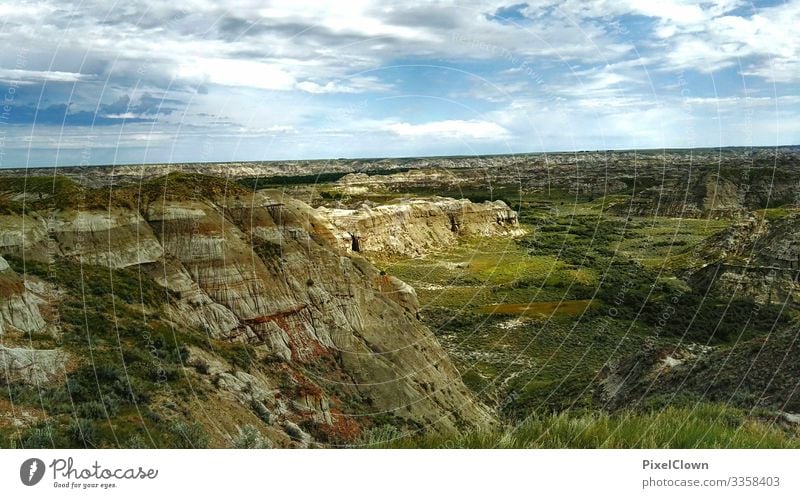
x=700 y=426
x=547 y=361
x=125 y=362
x=126 y=385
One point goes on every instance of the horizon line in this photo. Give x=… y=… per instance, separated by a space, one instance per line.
x=382 y=158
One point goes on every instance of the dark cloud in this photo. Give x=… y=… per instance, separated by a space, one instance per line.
x=300 y=35
x=509 y=14
x=146 y=109
x=234 y=28
x=436 y=17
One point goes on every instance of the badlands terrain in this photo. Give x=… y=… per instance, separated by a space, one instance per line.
x=586 y=299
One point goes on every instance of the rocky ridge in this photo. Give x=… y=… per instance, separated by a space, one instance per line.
x=264 y=270
x=587 y=172
x=412 y=227
x=755 y=257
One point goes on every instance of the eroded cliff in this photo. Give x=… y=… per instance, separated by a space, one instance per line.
x=412 y=227
x=756 y=257
x=329 y=346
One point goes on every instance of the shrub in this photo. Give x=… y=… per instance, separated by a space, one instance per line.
x=250 y=438
x=380 y=436
x=188 y=435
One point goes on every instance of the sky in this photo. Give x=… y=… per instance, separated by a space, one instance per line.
x=103 y=82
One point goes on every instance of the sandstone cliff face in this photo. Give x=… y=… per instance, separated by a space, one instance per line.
x=323 y=303
x=412 y=227
x=337 y=344
x=191 y=305
x=780 y=245
x=19 y=307
x=756 y=258
x=24 y=236
x=709 y=193
x=21 y=315
x=115 y=238
x=31 y=366
x=708 y=196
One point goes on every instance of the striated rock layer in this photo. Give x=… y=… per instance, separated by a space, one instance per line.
x=755 y=257
x=339 y=346
x=412 y=227
x=19 y=307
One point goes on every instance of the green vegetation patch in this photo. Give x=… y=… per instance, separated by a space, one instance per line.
x=699 y=426
x=124 y=361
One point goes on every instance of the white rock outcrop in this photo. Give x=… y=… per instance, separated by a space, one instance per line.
x=115 y=238
x=413 y=227
x=31 y=366
x=19 y=307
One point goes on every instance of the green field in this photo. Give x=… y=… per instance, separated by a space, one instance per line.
x=700 y=426
x=532 y=322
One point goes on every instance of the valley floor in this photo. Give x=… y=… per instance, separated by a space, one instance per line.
x=540 y=324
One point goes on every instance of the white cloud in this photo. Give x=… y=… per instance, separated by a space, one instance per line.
x=450 y=128
x=281 y=129
x=329 y=87
x=356 y=84
x=765 y=42
x=314 y=74
x=28 y=76
x=232 y=72
x=683 y=12
x=353 y=16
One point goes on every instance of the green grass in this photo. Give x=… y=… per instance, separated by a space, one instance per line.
x=700 y=426
x=45 y=185
x=313 y=179
x=659 y=243
x=123 y=358
x=573 y=307
x=483 y=272
x=777 y=213
x=512 y=313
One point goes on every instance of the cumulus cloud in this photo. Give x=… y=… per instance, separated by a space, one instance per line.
x=451 y=128
x=235 y=72
x=25 y=76
x=377 y=74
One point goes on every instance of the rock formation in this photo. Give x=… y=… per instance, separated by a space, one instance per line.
x=19 y=307
x=714 y=193
x=755 y=257
x=412 y=227
x=341 y=343
x=31 y=366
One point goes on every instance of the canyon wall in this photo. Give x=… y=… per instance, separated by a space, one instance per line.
x=413 y=227
x=755 y=257
x=338 y=345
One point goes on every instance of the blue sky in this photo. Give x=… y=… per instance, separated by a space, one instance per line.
x=147 y=82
